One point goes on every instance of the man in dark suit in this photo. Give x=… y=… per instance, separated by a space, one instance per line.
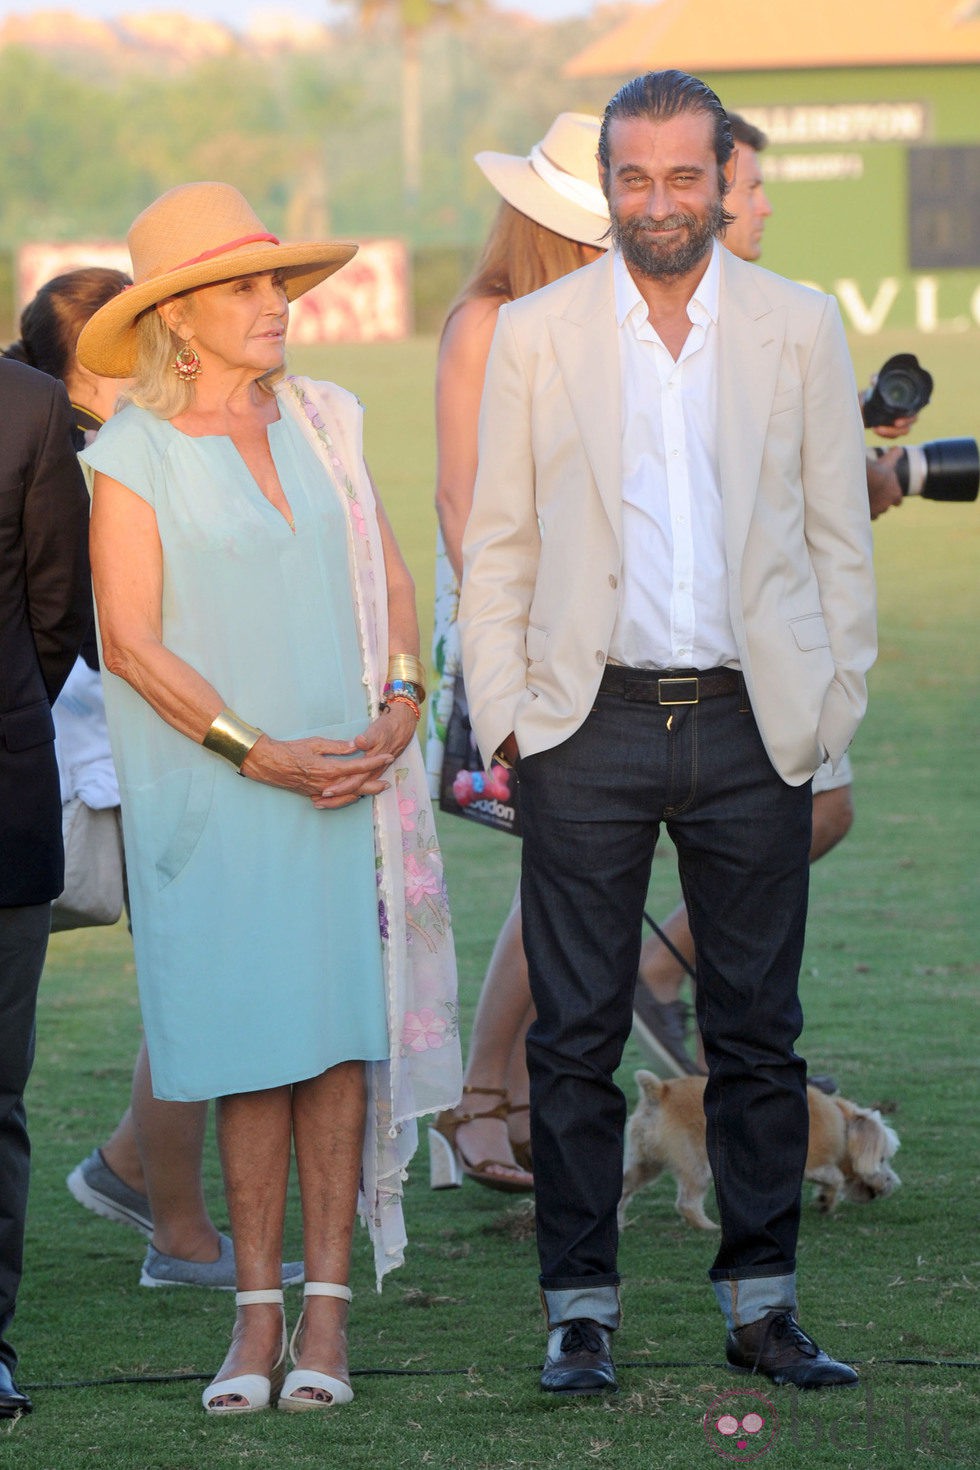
x=45 y=610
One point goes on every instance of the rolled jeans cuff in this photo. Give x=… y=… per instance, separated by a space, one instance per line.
x=598 y=1303
x=746 y=1299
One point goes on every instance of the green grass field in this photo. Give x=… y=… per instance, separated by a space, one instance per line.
x=446 y=1358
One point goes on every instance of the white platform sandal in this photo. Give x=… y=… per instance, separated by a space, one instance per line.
x=300 y=1378
x=255 y=1391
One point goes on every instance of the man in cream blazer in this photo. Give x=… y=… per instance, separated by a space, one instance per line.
x=667 y=616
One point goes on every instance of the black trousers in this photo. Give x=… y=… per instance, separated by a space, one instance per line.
x=592 y=810
x=23 y=945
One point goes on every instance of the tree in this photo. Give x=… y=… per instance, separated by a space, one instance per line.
x=412 y=18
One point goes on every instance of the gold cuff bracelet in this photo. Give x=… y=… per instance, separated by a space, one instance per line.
x=231 y=738
x=406 y=666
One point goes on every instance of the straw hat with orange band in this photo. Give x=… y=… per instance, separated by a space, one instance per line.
x=196 y=235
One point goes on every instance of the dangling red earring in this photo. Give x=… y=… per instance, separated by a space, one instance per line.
x=187 y=364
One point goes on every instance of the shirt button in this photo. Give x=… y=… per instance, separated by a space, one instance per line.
x=613 y=581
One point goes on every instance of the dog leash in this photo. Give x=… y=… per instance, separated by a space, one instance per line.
x=668 y=945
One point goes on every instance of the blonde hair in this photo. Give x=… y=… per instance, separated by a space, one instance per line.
x=156 y=386
x=519 y=256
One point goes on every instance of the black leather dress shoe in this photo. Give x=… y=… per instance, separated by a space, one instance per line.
x=579 y=1360
x=12 y=1402
x=777 y=1346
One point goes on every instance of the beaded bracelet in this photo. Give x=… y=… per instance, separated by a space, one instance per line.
x=403 y=686
x=389 y=700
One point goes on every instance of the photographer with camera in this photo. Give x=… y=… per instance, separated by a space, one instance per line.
x=946 y=469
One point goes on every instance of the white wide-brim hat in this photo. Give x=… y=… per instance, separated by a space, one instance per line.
x=557 y=184
x=196 y=235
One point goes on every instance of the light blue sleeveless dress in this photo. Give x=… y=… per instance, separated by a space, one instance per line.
x=255 y=916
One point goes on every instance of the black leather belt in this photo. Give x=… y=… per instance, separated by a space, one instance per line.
x=670 y=686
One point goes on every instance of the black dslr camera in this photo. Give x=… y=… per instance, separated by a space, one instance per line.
x=946 y=469
x=901 y=388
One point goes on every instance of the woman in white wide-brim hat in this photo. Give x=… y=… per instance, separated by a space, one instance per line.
x=257 y=620
x=552 y=219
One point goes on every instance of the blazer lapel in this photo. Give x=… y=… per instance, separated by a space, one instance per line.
x=586 y=349
x=750 y=342
x=751 y=331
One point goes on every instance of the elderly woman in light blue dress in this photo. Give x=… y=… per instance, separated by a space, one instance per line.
x=293 y=946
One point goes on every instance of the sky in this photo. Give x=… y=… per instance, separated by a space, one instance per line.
x=233 y=12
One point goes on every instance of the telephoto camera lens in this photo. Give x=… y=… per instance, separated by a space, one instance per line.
x=945 y=469
x=902 y=388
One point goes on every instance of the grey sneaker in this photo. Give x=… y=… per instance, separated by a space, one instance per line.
x=661 y=1029
x=96 y=1187
x=219 y=1275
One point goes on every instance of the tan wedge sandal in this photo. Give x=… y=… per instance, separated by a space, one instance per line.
x=447 y=1161
x=521 y=1147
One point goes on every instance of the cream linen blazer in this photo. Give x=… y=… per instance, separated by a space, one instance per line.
x=543 y=546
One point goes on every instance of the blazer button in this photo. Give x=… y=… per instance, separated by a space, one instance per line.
x=600 y=657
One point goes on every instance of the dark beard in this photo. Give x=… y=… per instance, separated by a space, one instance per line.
x=637 y=239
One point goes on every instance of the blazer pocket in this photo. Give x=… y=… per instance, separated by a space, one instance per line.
x=810 y=632
x=536 y=643
x=789 y=398
x=21 y=729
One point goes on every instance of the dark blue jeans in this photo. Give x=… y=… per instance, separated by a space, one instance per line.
x=592 y=810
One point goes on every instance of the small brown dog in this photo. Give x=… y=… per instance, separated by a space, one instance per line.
x=848 y=1154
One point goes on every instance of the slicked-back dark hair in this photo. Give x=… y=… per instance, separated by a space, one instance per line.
x=658 y=95
x=747 y=133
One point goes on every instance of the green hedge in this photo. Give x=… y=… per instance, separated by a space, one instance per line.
x=8 y=315
x=438 y=272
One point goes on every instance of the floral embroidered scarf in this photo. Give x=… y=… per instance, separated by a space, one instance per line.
x=423 y=1073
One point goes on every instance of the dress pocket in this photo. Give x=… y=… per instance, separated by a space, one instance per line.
x=189 y=793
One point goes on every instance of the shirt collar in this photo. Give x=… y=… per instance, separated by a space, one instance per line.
x=702 y=307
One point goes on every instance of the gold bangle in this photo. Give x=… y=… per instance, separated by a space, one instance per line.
x=406 y=666
x=230 y=737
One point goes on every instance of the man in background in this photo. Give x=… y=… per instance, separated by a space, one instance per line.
x=45 y=611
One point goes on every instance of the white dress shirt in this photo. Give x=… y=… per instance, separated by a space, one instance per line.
x=673 y=608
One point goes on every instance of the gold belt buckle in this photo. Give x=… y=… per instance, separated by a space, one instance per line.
x=691 y=684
